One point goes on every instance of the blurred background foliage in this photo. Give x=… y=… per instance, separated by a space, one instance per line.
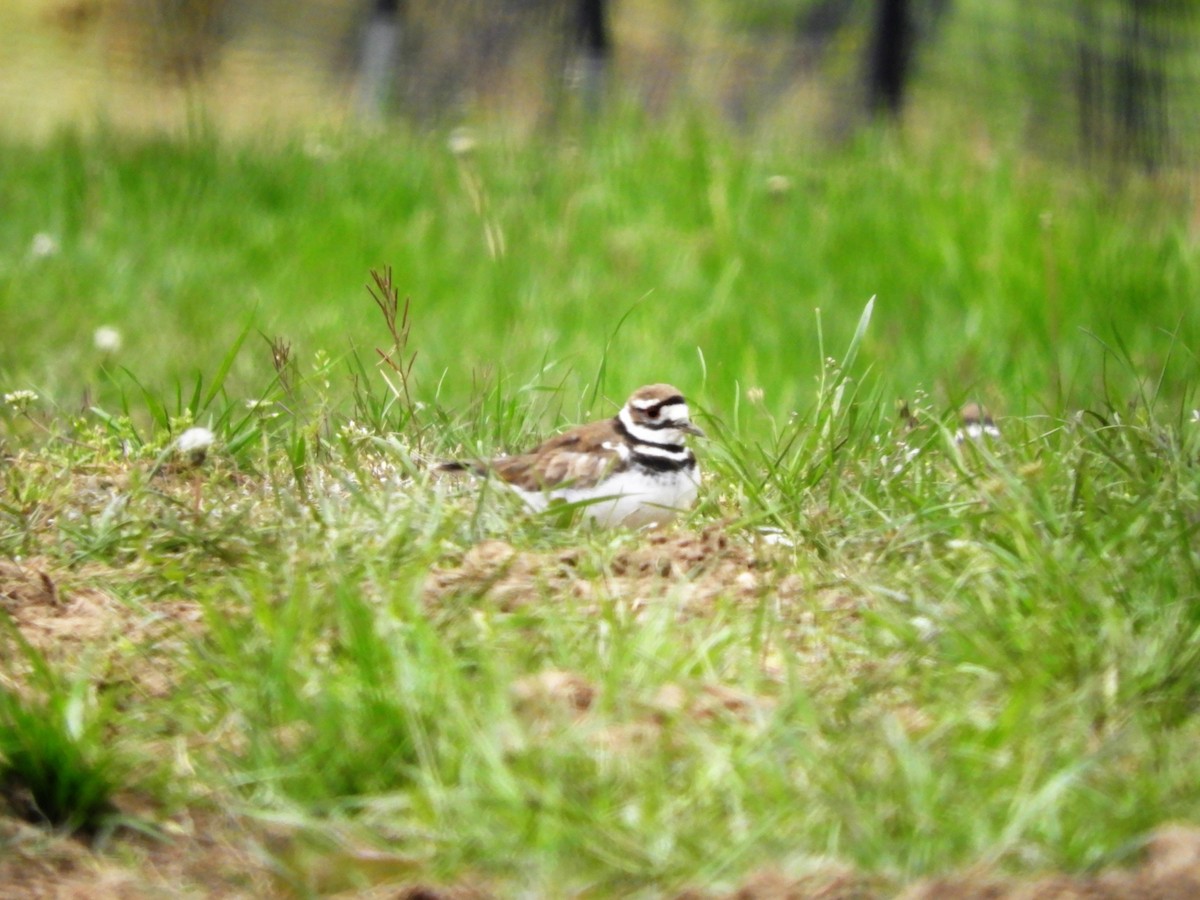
x=1113 y=80
x=733 y=163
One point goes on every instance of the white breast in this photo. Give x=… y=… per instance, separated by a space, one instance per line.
x=629 y=498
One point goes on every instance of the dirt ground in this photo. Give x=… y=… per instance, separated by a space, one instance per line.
x=206 y=854
x=697 y=567
x=220 y=858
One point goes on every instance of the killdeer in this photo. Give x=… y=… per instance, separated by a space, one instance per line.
x=977 y=423
x=633 y=469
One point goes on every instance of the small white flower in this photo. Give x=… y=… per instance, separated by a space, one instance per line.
x=926 y=628
x=904 y=455
x=107 y=339
x=315 y=148
x=746 y=581
x=194 y=444
x=44 y=244
x=774 y=536
x=20 y=400
x=352 y=431
x=461 y=141
x=778 y=185
x=263 y=408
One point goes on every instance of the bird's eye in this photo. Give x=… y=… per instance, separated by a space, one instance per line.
x=653 y=412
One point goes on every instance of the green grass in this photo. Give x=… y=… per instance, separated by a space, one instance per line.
x=54 y=766
x=991 y=275
x=980 y=653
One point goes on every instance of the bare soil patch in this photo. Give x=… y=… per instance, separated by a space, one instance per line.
x=200 y=856
x=218 y=858
x=64 y=618
x=698 y=567
x=1169 y=869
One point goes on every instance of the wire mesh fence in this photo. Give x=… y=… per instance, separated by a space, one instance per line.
x=1111 y=79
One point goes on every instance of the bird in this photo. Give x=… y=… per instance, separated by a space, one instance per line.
x=977 y=423
x=632 y=470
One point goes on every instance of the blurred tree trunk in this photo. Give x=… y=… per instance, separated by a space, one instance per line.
x=380 y=53
x=1141 y=109
x=890 y=56
x=593 y=37
x=1121 y=83
x=1089 y=79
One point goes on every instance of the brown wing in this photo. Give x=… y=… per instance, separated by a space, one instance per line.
x=575 y=458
